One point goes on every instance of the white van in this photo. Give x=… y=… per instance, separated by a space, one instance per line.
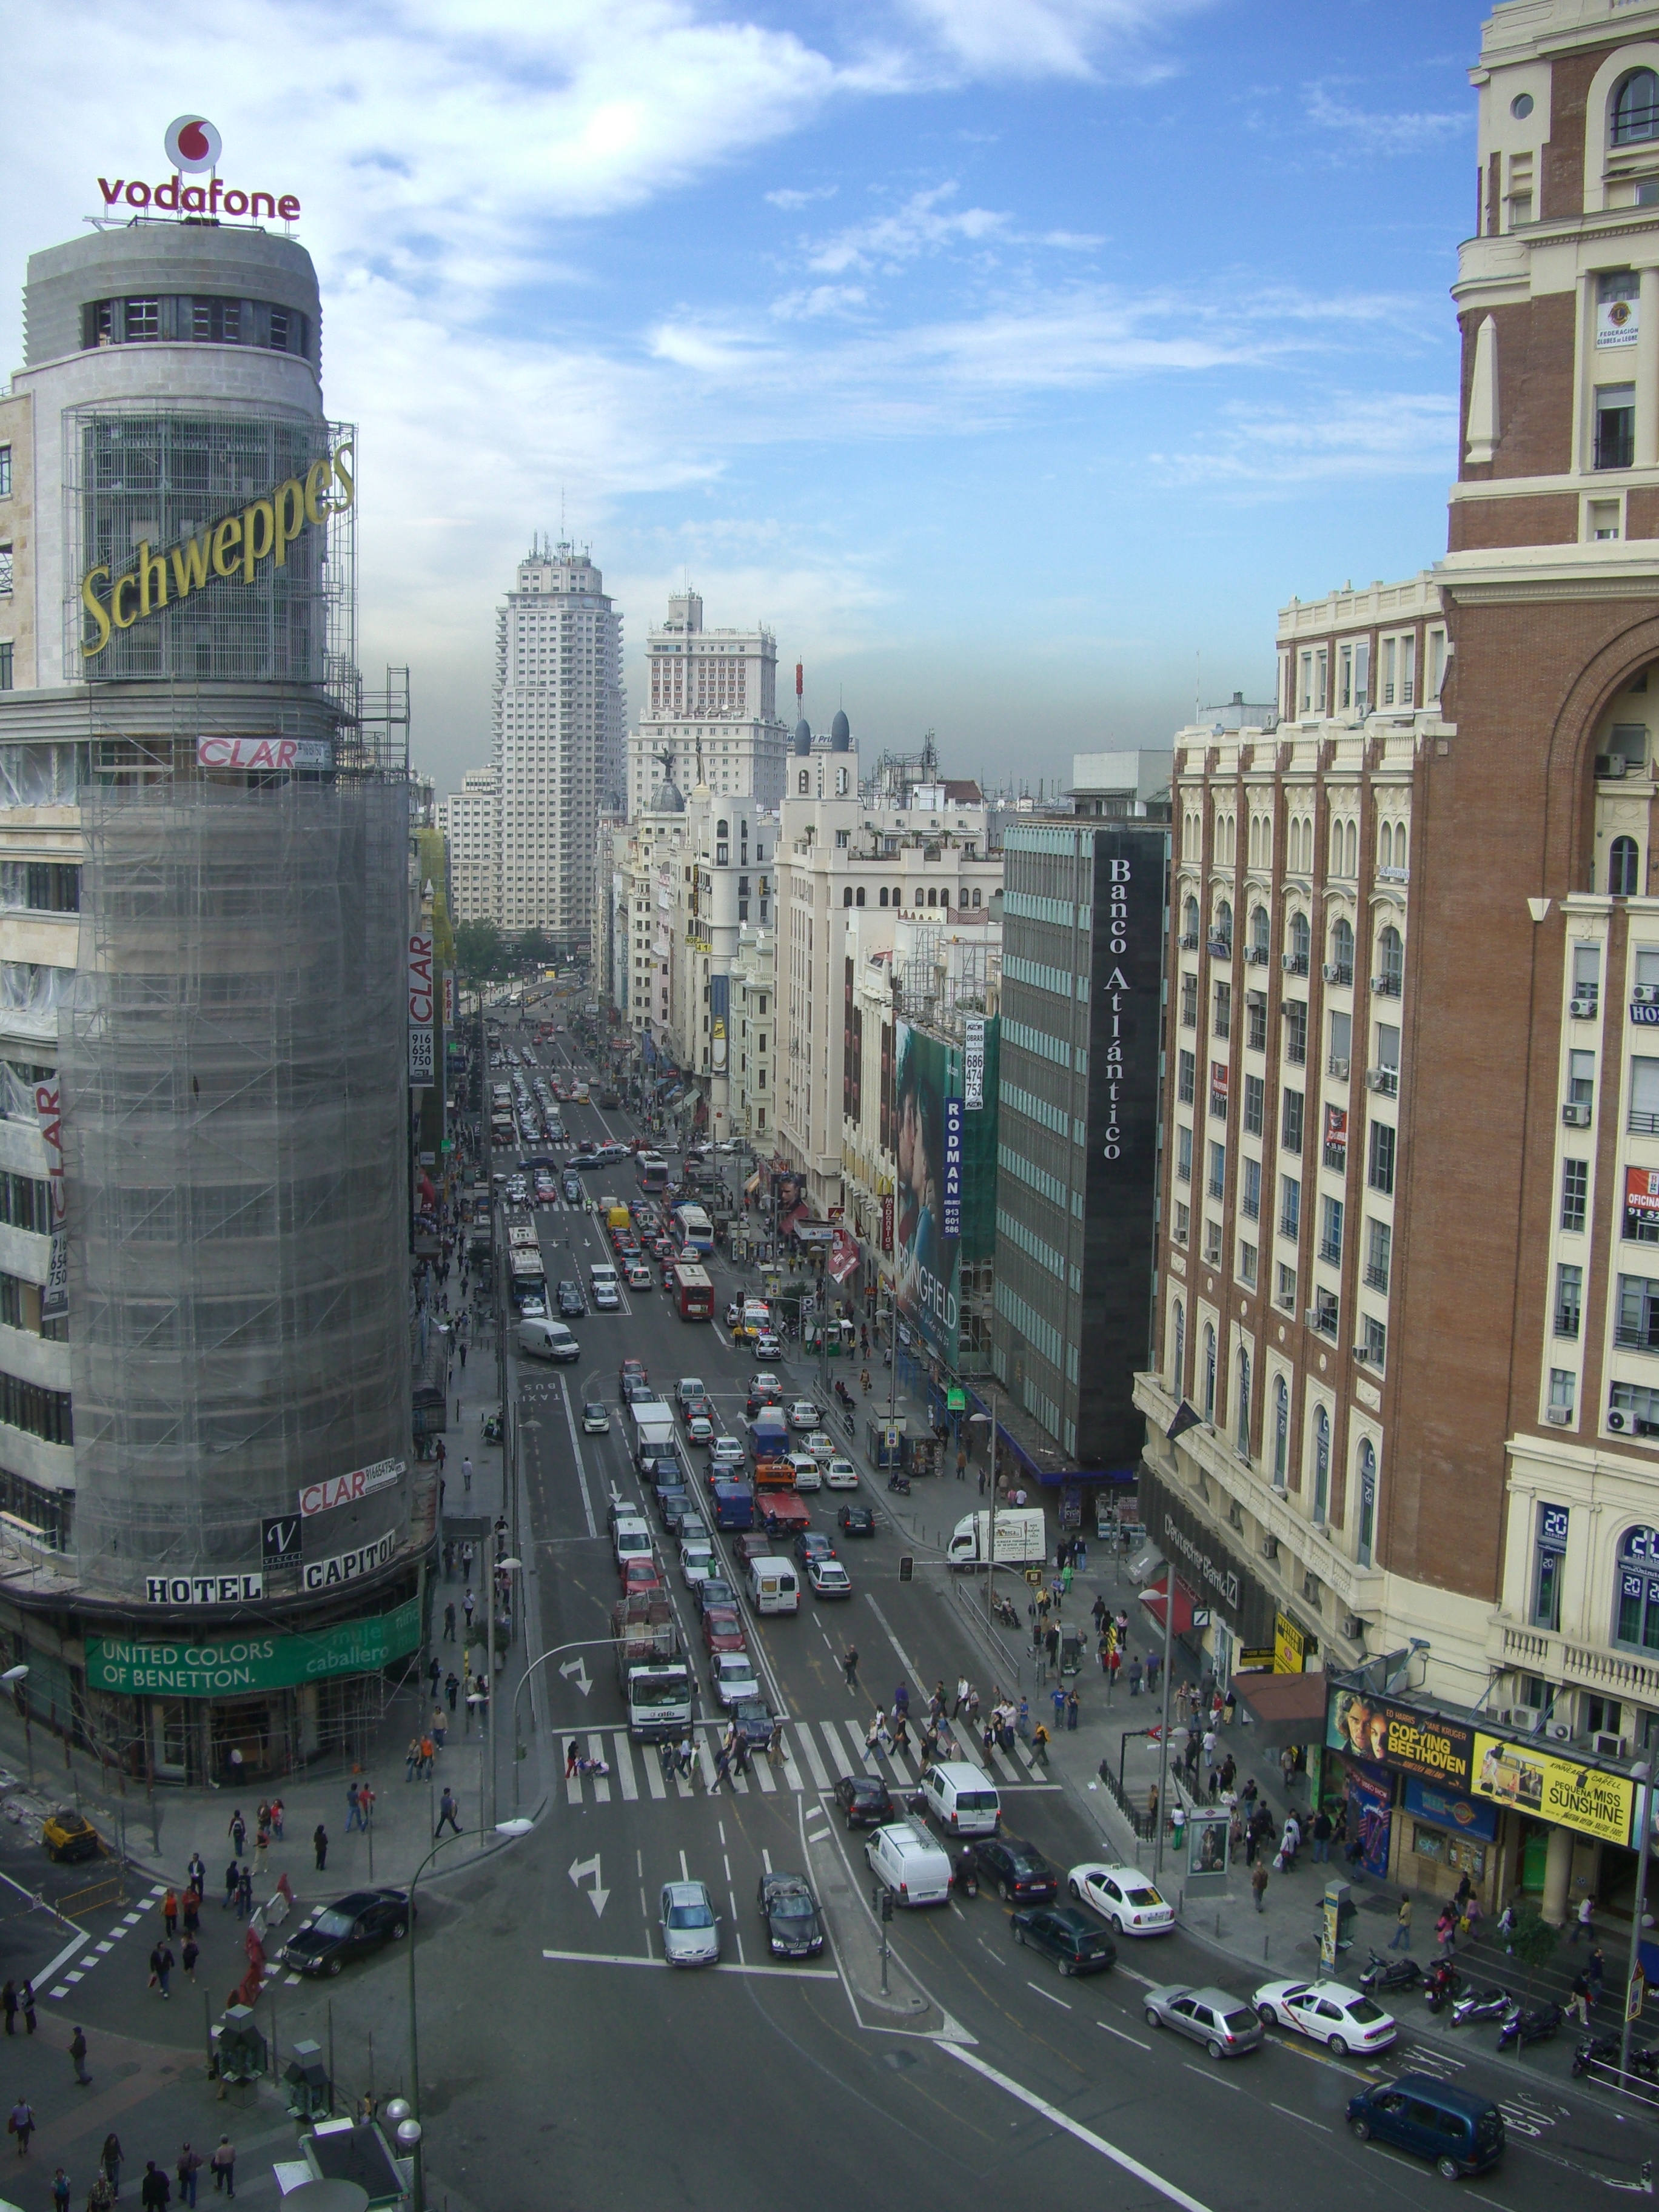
x=906 y=1860
x=774 y=1585
x=961 y=1798
x=607 y=1296
x=630 y=1540
x=548 y=1339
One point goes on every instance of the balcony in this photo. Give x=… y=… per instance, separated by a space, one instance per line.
x=1330 y=1251
x=1624 y=1675
x=1294 y=963
x=1384 y=1080
x=1376 y=1278
x=1387 y=986
x=1335 y=1158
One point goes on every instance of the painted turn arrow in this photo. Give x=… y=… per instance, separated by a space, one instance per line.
x=580 y=1870
x=578 y=1667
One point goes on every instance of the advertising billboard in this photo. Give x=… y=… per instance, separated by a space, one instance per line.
x=421 y=1046
x=946 y=1198
x=1394 y=1735
x=1559 y=1790
x=180 y=1668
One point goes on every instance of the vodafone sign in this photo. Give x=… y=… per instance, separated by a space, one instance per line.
x=194 y=147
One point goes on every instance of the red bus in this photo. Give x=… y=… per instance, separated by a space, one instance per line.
x=693 y=1291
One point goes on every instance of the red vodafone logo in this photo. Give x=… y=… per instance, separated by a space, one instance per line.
x=192 y=143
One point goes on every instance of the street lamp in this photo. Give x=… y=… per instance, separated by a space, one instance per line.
x=587 y=1643
x=973 y=1419
x=14 y=1676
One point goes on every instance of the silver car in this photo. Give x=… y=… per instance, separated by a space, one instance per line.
x=690 y=1926
x=1224 y=2025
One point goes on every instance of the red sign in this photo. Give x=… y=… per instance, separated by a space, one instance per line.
x=1219 y=1071
x=347 y=1489
x=887 y=1223
x=175 y=197
x=264 y=752
x=1336 y=1129
x=1642 y=1192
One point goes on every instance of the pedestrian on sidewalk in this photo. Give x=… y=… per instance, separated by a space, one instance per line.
x=449 y=1810
x=1321 y=1836
x=1578 y=2003
x=428 y=1755
x=20 y=2121
x=223 y=2163
x=451 y=1688
x=28 y=2003
x=238 y=1832
x=1154 y=1668
x=193 y=1952
x=109 y=2163
x=1402 y=1938
x=449 y=1622
x=412 y=1759
x=233 y=1878
x=1581 y=1925
x=1134 y=1675
x=1258 y=1884
x=197 y=1872
x=78 y=2053
x=1073 y=1705
x=469 y=1604
x=319 y=1844
x=169 y=1917
x=189 y=2165
x=466 y=1476
x=60 y=2191
x=961 y=1698
x=353 y=1813
x=276 y=1819
x=849 y=1664
x=439 y=1727
x=8 y=2005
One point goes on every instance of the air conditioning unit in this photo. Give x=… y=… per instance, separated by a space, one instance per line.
x=1187 y=940
x=1331 y=972
x=1255 y=956
x=1385 y=986
x=1644 y=994
x=1559 y=1731
x=1352 y=1627
x=1523 y=1717
x=1575 y=1117
x=1613 y=764
x=1559 y=1417
x=1609 y=1746
x=1339 y=1068
x=1582 y=1009
x=1292 y=963
x=1270 y=1547
x=1382 y=1078
x=1617 y=1420
x=1311 y=1317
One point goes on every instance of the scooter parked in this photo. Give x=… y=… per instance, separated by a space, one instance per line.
x=1603 y=2050
x=1441 y=1985
x=1384 y=1973
x=1480 y=2004
x=1537 y=2026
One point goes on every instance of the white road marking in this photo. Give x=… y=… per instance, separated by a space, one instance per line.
x=1051 y=1998
x=1140 y=2043
x=726 y=1966
x=1206 y=2075
x=576 y=1454
x=1303 y=2117
x=1121 y=2159
x=624 y=1766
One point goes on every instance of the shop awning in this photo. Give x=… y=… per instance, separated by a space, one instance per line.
x=1286 y=1709
x=1153 y=1599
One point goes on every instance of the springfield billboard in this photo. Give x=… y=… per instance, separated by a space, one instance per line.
x=946 y=1150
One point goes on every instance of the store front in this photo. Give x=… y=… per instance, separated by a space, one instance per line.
x=1211 y=1580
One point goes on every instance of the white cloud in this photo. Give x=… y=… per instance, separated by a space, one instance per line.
x=789 y=197
x=1341 y=435
x=1048 y=38
x=923 y=225
x=820 y=300
x=1362 y=132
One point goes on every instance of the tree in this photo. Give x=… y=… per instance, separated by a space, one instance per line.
x=1533 y=1941
x=480 y=950
x=533 y=951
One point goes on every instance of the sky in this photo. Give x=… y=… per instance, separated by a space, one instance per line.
x=1014 y=360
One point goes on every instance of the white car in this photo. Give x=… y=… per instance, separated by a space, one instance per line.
x=1126 y=1898
x=725 y=1451
x=808 y=1476
x=1342 y=2019
x=767 y=1345
x=829 y=1577
x=690 y=1926
x=700 y=1429
x=820 y=1444
x=733 y=1678
x=697 y=1563
x=689 y=1386
x=842 y=1474
x=804 y=1414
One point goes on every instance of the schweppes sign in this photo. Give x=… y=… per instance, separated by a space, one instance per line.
x=234 y=546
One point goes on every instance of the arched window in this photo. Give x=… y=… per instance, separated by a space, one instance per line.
x=898 y=895
x=976 y=898
x=1636 y=108
x=1367 y=1500
x=1385 y=845
x=1189 y=921
x=1390 y=963
x=1260 y=929
x=1281 y=1431
x=1241 y=1410
x=1342 y=950
x=1623 y=857
x=722 y=830
x=859 y=901
x=883 y=894
x=1336 y=848
x=1221 y=936
x=1637 y=1622
x=1301 y=944
x=1322 y=1498
x=846 y=895
x=1209 y=1373
x=802 y=784
x=1400 y=860
x=1176 y=1379
x=1350 y=850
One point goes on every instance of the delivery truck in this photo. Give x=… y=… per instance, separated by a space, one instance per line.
x=1021 y=1539
x=652 y=1670
x=651 y=1431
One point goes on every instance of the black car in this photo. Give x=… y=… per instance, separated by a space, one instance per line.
x=754 y=1721
x=1018 y=1874
x=714 y=1591
x=1077 y=1944
x=856 y=1521
x=574 y=1193
x=572 y=1304
x=791 y=1913
x=813 y=1543
x=864 y=1800
x=756 y=1398
x=672 y=1500
x=352 y=1925
x=635 y=1386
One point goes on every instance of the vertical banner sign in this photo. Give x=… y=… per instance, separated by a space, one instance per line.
x=973 y=1063
x=48 y=1108
x=719 y=1016
x=951 y=1207
x=449 y=998
x=887 y=1223
x=420 y=1009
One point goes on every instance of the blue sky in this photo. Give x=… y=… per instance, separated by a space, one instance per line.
x=1015 y=359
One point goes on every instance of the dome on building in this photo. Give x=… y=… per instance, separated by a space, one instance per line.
x=803 y=737
x=841 y=733
x=665 y=798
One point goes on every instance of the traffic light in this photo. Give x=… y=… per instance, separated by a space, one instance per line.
x=907 y=1568
x=886 y=1903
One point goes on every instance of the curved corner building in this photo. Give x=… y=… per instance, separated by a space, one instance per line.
x=209 y=1527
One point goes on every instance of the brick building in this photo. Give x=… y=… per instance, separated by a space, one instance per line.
x=1412 y=1173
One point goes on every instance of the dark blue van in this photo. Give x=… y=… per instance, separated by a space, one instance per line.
x=1456 y=2131
x=734 y=1505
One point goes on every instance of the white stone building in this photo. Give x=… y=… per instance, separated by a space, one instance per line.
x=711 y=713
x=470 y=819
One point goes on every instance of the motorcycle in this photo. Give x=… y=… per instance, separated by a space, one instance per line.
x=1390 y=1974
x=968 y=1875
x=847 y=1424
x=1537 y=2026
x=901 y=1483
x=1440 y=1984
x=1603 y=2050
x=1481 y=2004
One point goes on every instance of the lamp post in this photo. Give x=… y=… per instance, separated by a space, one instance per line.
x=991 y=1530
x=892 y=1135
x=1644 y=1817
x=586 y=1644
x=16 y=1676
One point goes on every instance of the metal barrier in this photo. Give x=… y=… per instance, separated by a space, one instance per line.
x=1138 y=1819
x=113 y=1890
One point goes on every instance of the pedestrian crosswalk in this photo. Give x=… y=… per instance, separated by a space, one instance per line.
x=813 y=1756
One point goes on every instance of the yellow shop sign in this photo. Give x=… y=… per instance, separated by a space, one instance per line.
x=233 y=546
x=1562 y=1792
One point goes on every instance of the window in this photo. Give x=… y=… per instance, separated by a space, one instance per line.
x=1188 y=994
x=1636 y=108
x=1322 y=1486
x=217 y=321
x=1259 y=934
x=1221 y=936
x=1247 y=1264
x=1300 y=941
x=1183 y=1152
x=1379 y=1255
x=1183 y=1221
x=1189 y=924
x=1281 y=1428
x=1564 y=1385
x=1390 y=977
x=1342 y=952
x=1641 y=1205
x=859 y=901
x=1218 y=1182
x=1367 y=1499
x=5 y=471
x=1241 y=1411
x=1638 y=1620
x=1341 y=1046
x=1379 y=1166
x=143 y=320
x=40 y=886
x=5 y=665
x=1185 y=1074
x=1638 y=1314
x=1575 y=1193
x=883 y=894
x=1209 y=1372
x=1290 y=1206
x=1295 y=1012
x=1285 y=1294
x=1256 y=1093
x=1256 y=1020
x=1644 y=1091
x=1330 y=1231
x=1623 y=864
x=1290 y=1125
x=5 y=571
x=1569 y=1300
x=1223 y=1024
x=1615 y=426
x=1250 y=1200
x=1586 y=978
x=1213 y=1243
x=1386 y=1075
x=1218 y=1085
x=846 y=895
